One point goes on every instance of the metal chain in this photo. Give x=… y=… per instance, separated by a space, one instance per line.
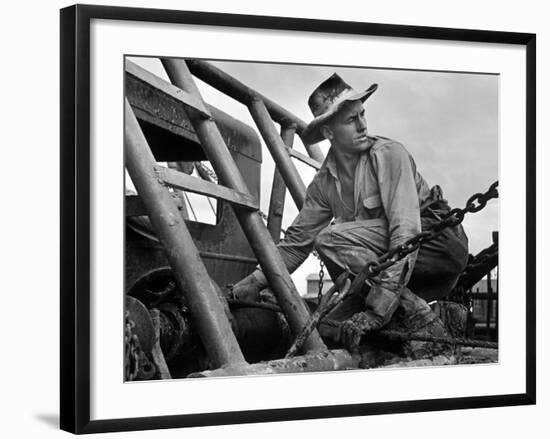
x=453 y=218
x=136 y=364
x=208 y=170
x=321 y=276
x=132 y=349
x=415 y=336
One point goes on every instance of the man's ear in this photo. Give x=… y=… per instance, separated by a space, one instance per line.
x=326 y=132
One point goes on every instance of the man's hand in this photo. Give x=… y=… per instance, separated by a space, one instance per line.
x=267 y=296
x=353 y=329
x=249 y=287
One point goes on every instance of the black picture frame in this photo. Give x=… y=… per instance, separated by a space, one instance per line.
x=75 y=217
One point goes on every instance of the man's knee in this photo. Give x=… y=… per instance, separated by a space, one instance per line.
x=322 y=240
x=457 y=259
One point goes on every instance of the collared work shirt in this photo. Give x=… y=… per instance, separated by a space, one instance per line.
x=388 y=193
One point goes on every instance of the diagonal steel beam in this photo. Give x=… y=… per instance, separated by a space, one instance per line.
x=207 y=310
x=278 y=151
x=294 y=308
x=232 y=87
x=278 y=191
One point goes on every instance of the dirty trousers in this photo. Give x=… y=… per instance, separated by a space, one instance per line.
x=438 y=265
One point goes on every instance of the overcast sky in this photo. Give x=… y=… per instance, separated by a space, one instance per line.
x=447 y=121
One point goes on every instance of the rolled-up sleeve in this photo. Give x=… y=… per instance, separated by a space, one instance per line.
x=314 y=216
x=394 y=170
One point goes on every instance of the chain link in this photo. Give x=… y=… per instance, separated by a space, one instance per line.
x=415 y=336
x=321 y=276
x=208 y=170
x=453 y=218
x=132 y=349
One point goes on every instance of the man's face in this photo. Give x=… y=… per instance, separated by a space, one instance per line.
x=347 y=129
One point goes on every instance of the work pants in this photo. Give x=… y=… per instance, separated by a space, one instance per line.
x=438 y=265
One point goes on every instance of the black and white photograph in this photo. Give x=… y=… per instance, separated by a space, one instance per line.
x=271 y=219
x=275 y=219
x=295 y=218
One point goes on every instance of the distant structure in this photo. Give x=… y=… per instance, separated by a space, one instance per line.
x=486 y=307
x=313 y=285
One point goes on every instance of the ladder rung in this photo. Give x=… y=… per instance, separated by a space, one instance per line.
x=304 y=158
x=171 y=90
x=185 y=182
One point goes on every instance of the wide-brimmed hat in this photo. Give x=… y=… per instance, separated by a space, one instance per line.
x=326 y=100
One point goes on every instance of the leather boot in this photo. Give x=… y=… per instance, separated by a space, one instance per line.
x=414 y=316
x=381 y=304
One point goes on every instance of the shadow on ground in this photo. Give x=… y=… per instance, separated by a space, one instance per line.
x=51 y=420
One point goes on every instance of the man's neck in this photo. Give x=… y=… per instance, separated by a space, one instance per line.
x=346 y=162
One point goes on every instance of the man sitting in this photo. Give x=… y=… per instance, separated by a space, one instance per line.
x=367 y=198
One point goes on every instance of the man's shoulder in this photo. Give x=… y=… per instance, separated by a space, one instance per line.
x=328 y=167
x=321 y=177
x=381 y=142
x=386 y=146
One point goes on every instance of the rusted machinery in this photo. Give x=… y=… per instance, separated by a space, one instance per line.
x=190 y=318
x=179 y=322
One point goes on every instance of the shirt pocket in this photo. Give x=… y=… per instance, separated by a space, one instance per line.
x=373 y=206
x=372 y=202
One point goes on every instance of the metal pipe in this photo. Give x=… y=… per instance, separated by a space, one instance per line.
x=278 y=151
x=232 y=87
x=482 y=296
x=294 y=308
x=489 y=305
x=337 y=359
x=495 y=241
x=278 y=191
x=476 y=273
x=190 y=273
x=226 y=257
x=304 y=159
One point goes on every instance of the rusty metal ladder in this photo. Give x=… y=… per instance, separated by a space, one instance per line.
x=265 y=112
x=152 y=182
